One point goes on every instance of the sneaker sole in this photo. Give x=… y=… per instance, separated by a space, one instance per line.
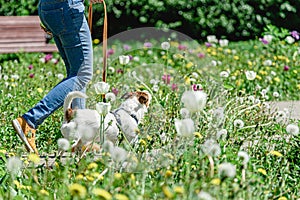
x=21 y=135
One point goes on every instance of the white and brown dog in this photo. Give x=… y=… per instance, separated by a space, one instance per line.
x=82 y=126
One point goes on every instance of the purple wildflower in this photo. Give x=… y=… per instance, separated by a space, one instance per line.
x=264 y=41
x=182 y=47
x=201 y=55
x=30 y=67
x=148 y=44
x=48 y=57
x=126 y=47
x=207 y=44
x=31 y=75
x=166 y=78
x=110 y=52
x=115 y=91
x=295 y=35
x=174 y=87
x=197 y=87
x=120 y=71
x=286 y=68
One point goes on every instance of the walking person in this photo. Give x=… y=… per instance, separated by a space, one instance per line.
x=66 y=21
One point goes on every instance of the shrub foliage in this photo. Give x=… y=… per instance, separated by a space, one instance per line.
x=235 y=20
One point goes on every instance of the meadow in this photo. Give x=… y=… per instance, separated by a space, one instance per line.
x=210 y=131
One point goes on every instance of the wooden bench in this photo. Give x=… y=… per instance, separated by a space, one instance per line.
x=23 y=34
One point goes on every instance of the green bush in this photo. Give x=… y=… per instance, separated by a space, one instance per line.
x=235 y=20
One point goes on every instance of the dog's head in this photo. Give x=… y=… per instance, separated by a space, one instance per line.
x=143 y=97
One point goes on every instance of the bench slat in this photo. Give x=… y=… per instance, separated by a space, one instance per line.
x=23 y=34
x=45 y=49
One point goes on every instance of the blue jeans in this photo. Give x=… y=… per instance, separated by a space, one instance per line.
x=67 y=22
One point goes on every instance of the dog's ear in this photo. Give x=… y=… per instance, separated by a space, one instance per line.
x=143 y=98
x=69 y=114
x=127 y=95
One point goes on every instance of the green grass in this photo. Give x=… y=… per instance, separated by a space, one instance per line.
x=164 y=165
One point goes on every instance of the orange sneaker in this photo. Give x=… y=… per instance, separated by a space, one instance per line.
x=25 y=133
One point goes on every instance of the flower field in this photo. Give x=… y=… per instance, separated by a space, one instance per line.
x=210 y=131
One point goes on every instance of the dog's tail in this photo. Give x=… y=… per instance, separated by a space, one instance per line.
x=69 y=98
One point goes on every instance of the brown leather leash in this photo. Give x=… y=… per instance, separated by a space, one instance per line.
x=104 y=42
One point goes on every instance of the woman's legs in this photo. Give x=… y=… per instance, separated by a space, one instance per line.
x=66 y=20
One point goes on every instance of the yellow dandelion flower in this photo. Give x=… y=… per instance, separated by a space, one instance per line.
x=198 y=135
x=189 y=65
x=238 y=82
x=44 y=192
x=255 y=47
x=95 y=174
x=132 y=177
x=276 y=79
x=208 y=50
x=187 y=80
x=79 y=177
x=236 y=57
x=118 y=175
x=92 y=165
x=143 y=142
x=178 y=189
x=96 y=41
x=17 y=183
x=121 y=197
x=77 y=190
x=90 y=178
x=40 y=90
x=102 y=193
x=263 y=171
x=149 y=137
x=168 y=173
x=214 y=53
x=97 y=71
x=34 y=158
x=215 y=181
x=258 y=77
x=298 y=86
x=3 y=151
x=262 y=72
x=295 y=71
x=164 y=57
x=167 y=192
x=250 y=63
x=282 y=198
x=275 y=153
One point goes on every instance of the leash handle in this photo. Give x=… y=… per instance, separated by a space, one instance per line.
x=104 y=40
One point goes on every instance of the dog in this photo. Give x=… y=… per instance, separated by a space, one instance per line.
x=82 y=126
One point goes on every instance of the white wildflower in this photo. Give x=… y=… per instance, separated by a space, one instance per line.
x=227 y=170
x=268 y=38
x=292 y=129
x=212 y=39
x=223 y=42
x=124 y=60
x=238 y=123
x=63 y=144
x=204 y=196
x=101 y=87
x=214 y=63
x=244 y=155
x=267 y=62
x=224 y=74
x=211 y=147
x=289 y=39
x=276 y=94
x=221 y=133
x=165 y=45
x=110 y=97
x=103 y=108
x=194 y=100
x=185 y=127
x=60 y=76
x=250 y=75
x=14 y=164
